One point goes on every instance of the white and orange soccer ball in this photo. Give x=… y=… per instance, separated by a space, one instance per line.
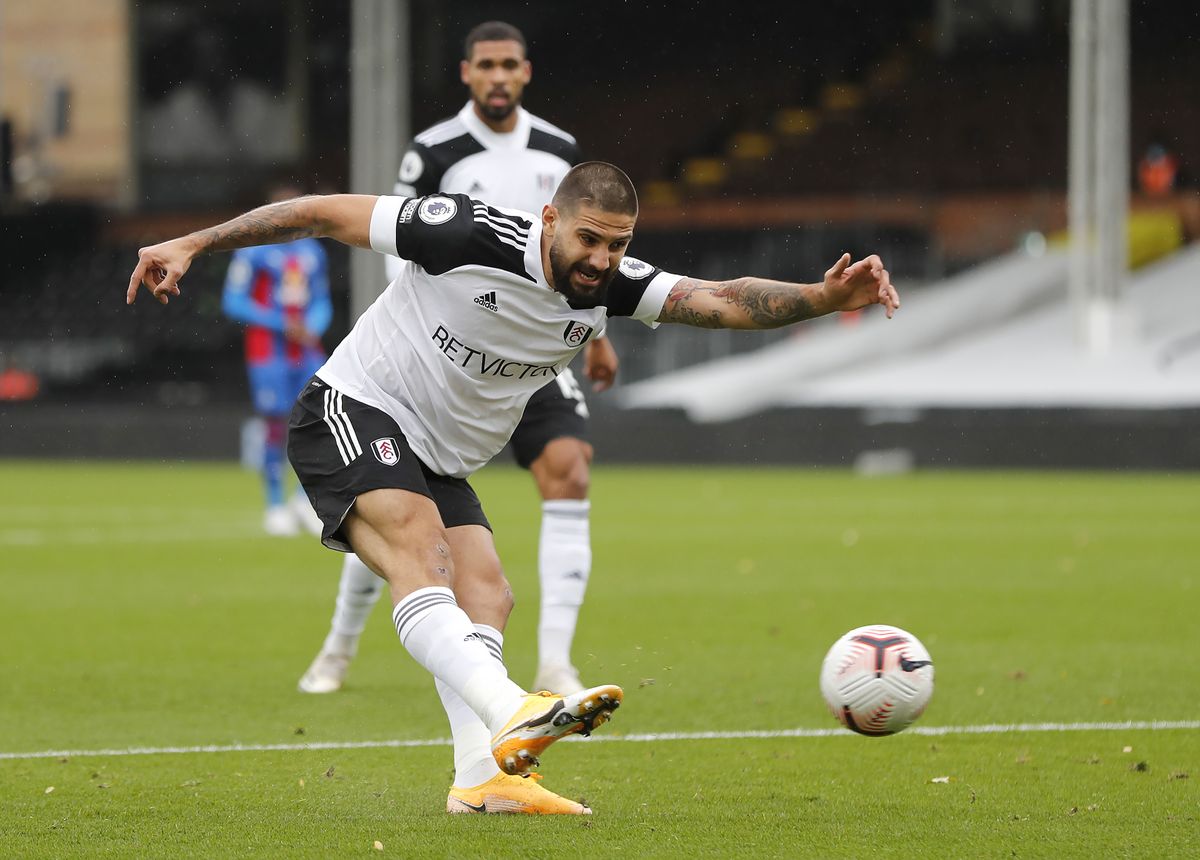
x=877 y=679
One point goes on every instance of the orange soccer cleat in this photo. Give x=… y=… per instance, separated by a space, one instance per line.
x=544 y=717
x=504 y=793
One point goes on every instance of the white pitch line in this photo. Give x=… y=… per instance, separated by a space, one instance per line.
x=928 y=731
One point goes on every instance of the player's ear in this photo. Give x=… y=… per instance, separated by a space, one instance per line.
x=549 y=220
x=527 y=69
x=464 y=71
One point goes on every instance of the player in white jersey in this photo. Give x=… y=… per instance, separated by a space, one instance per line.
x=429 y=385
x=497 y=151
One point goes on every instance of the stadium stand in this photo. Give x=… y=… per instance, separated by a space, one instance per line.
x=937 y=157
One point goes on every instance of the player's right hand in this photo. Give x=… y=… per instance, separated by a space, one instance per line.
x=850 y=286
x=159 y=268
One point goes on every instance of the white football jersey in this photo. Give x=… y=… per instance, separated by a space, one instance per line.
x=518 y=169
x=470 y=329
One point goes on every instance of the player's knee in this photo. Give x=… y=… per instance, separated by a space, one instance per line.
x=484 y=593
x=505 y=601
x=575 y=480
x=566 y=472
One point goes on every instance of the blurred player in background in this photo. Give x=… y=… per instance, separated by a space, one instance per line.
x=281 y=294
x=497 y=151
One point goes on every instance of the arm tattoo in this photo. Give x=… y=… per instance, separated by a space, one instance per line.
x=266 y=225
x=761 y=303
x=678 y=310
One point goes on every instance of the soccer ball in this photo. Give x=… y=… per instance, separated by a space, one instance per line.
x=877 y=679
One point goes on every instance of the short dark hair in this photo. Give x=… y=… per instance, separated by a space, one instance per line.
x=599 y=184
x=492 y=31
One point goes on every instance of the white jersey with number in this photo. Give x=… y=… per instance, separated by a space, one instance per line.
x=470 y=329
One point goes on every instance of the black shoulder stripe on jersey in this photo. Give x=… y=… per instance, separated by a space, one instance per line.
x=503 y=238
x=510 y=229
x=458 y=147
x=543 y=141
x=463 y=239
x=624 y=293
x=449 y=152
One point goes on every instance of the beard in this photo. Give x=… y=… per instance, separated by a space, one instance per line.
x=497 y=112
x=579 y=299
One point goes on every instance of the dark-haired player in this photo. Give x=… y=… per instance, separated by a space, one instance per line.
x=429 y=385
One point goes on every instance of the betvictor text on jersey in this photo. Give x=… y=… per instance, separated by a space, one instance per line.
x=482 y=364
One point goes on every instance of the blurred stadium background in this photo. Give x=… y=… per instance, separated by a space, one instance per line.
x=762 y=139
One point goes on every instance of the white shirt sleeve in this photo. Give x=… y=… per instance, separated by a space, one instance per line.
x=654 y=298
x=392 y=266
x=383 y=224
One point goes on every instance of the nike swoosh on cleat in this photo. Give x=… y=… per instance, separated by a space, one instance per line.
x=480 y=808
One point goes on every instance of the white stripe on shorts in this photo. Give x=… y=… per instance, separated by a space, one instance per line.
x=339 y=424
x=342 y=417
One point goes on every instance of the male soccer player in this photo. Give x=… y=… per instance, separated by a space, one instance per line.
x=429 y=385
x=497 y=151
x=281 y=294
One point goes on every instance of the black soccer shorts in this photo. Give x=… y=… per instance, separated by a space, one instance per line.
x=341 y=448
x=556 y=409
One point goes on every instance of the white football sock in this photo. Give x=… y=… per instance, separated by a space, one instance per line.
x=473 y=761
x=358 y=592
x=441 y=637
x=564 y=565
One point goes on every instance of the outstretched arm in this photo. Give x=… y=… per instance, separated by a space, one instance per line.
x=756 y=303
x=344 y=217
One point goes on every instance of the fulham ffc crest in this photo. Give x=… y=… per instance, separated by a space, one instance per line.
x=386 y=451
x=576 y=333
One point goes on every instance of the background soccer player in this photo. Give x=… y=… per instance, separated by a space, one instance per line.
x=281 y=294
x=495 y=150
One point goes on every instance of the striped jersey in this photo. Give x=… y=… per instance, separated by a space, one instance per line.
x=470 y=327
x=519 y=169
x=270 y=286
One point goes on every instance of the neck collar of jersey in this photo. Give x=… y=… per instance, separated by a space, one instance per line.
x=518 y=138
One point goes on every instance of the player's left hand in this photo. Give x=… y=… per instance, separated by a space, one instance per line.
x=159 y=268
x=849 y=287
x=600 y=364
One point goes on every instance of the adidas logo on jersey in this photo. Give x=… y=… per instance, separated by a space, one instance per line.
x=488 y=300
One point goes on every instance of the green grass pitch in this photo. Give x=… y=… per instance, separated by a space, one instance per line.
x=142 y=608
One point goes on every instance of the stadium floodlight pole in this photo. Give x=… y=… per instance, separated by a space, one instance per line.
x=380 y=52
x=1080 y=163
x=1098 y=193
x=1112 y=171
